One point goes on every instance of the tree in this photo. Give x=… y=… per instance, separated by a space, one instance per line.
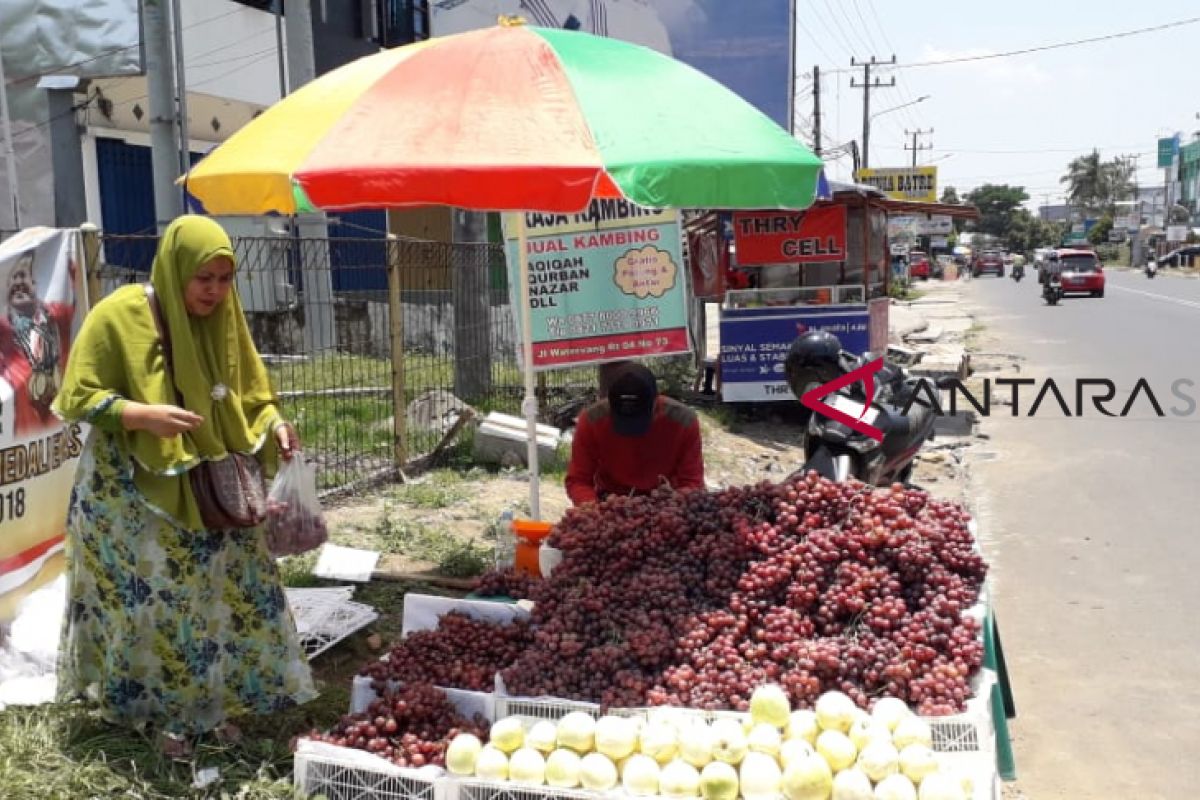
x=950 y=196
x=1095 y=185
x=1099 y=233
x=997 y=204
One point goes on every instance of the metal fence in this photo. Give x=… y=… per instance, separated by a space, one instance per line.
x=319 y=312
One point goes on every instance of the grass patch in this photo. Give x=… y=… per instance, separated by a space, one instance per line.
x=454 y=557
x=297 y=571
x=443 y=489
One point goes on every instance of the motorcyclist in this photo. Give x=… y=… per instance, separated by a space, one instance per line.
x=1018 y=266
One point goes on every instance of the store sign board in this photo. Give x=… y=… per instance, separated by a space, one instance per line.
x=790 y=237
x=917 y=184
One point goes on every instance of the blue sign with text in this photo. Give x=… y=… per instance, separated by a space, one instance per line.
x=755 y=342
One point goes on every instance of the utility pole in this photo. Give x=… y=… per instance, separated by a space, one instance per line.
x=164 y=130
x=915 y=147
x=319 y=329
x=301 y=60
x=867 y=86
x=817 y=109
x=280 y=52
x=10 y=154
x=185 y=146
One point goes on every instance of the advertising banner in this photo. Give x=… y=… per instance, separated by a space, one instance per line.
x=1167 y=149
x=708 y=254
x=745 y=45
x=604 y=285
x=790 y=237
x=755 y=342
x=917 y=184
x=41 y=308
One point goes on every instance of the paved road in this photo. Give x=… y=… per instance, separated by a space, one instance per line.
x=1095 y=525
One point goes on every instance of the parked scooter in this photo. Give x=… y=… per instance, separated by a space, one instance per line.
x=835 y=450
x=1151 y=267
x=1052 y=290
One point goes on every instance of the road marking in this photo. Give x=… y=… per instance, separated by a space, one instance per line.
x=1162 y=297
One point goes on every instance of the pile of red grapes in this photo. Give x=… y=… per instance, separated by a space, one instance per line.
x=696 y=598
x=461 y=653
x=411 y=727
x=509 y=582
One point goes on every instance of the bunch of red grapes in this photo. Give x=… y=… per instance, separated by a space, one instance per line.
x=411 y=727
x=506 y=583
x=696 y=598
x=461 y=653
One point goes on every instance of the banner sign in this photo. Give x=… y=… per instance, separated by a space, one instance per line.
x=755 y=342
x=41 y=308
x=605 y=284
x=708 y=255
x=1177 y=233
x=1167 y=149
x=918 y=184
x=790 y=237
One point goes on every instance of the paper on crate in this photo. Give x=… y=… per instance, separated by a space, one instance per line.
x=346 y=563
x=422 y=611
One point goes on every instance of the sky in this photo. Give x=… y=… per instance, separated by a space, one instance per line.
x=1016 y=120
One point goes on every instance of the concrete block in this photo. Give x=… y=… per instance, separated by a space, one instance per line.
x=504 y=439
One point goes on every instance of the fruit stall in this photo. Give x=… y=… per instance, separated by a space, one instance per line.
x=801 y=640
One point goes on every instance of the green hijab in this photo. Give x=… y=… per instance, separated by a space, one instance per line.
x=118 y=354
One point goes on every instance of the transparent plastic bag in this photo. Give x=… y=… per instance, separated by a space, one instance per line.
x=294 y=521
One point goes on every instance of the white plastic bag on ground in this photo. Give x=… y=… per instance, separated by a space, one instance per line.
x=294 y=521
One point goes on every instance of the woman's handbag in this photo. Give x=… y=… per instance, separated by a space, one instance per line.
x=230 y=491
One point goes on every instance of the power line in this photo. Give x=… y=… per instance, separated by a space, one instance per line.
x=1055 y=46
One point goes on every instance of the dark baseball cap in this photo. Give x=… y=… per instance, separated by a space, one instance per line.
x=631 y=396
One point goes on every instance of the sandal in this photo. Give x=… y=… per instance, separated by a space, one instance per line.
x=174 y=746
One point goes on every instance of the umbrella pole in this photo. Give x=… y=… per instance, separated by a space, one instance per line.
x=529 y=406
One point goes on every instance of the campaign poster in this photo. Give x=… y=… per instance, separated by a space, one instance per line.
x=604 y=285
x=42 y=304
x=743 y=44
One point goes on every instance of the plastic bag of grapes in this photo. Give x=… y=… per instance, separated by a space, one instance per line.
x=294 y=521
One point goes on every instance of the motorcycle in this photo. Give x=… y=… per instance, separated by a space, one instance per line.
x=1018 y=272
x=839 y=453
x=1151 y=268
x=1052 y=290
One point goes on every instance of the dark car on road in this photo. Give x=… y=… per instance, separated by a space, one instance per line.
x=989 y=261
x=1181 y=257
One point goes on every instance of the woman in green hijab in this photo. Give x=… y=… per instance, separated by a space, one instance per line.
x=171 y=627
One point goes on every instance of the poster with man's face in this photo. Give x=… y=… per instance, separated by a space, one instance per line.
x=744 y=44
x=41 y=308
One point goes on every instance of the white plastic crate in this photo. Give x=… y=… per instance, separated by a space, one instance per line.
x=341 y=773
x=534 y=709
x=467 y=702
x=422 y=611
x=972 y=731
x=476 y=789
x=982 y=769
x=325 y=617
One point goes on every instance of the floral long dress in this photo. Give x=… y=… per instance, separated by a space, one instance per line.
x=167 y=629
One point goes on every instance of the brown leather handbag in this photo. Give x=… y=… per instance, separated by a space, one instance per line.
x=229 y=491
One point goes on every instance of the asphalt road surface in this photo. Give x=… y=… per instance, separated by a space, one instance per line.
x=1094 y=529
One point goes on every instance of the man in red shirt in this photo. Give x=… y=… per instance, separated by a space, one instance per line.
x=633 y=441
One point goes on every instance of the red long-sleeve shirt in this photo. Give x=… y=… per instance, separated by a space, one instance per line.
x=604 y=462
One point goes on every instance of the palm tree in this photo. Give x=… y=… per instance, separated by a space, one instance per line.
x=1095 y=185
x=1086 y=180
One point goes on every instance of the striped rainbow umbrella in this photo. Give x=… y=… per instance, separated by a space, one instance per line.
x=510 y=118
x=507 y=118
